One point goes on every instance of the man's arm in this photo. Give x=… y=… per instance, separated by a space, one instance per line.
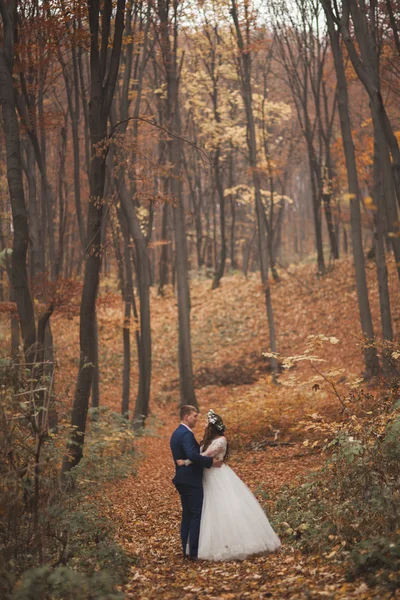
x=190 y=447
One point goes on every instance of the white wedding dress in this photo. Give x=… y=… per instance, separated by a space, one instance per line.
x=233 y=524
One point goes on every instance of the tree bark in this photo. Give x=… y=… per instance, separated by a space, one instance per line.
x=170 y=55
x=234 y=264
x=129 y=304
x=141 y=409
x=19 y=272
x=220 y=261
x=73 y=100
x=163 y=267
x=245 y=62
x=104 y=67
x=37 y=264
x=366 y=66
x=380 y=258
x=370 y=357
x=142 y=262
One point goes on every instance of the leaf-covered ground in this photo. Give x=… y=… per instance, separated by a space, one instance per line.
x=229 y=335
x=146 y=509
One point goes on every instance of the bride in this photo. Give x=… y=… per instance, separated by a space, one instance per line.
x=233 y=524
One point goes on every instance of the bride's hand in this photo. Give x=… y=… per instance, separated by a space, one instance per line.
x=180 y=462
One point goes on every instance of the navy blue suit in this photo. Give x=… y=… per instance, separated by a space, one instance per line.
x=188 y=481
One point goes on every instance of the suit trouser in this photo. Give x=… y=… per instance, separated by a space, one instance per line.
x=192 y=504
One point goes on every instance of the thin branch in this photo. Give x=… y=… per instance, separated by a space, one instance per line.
x=331 y=384
x=207 y=159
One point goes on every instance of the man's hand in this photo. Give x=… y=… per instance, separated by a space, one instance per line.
x=217 y=463
x=180 y=462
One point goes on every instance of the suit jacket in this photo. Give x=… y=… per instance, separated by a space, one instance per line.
x=184 y=445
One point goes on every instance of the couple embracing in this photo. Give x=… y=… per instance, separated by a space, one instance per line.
x=221 y=518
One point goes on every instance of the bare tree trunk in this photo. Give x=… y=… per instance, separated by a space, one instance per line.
x=366 y=65
x=277 y=238
x=124 y=267
x=327 y=176
x=95 y=390
x=381 y=184
x=214 y=239
x=15 y=339
x=326 y=198
x=164 y=249
x=370 y=357
x=234 y=264
x=19 y=272
x=73 y=99
x=129 y=304
x=104 y=67
x=245 y=59
x=141 y=410
x=269 y=228
x=142 y=262
x=35 y=233
x=198 y=202
x=390 y=219
x=170 y=54
x=47 y=195
x=220 y=262
x=316 y=205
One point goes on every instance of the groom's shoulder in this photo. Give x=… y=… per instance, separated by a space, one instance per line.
x=181 y=430
x=178 y=430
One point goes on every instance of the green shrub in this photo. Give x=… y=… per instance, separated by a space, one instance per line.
x=350 y=509
x=64 y=583
x=55 y=544
x=109 y=448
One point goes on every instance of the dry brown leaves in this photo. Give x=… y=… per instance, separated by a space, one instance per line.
x=147 y=512
x=228 y=325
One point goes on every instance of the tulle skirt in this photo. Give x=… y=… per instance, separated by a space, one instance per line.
x=233 y=524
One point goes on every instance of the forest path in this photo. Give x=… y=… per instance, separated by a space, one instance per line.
x=146 y=509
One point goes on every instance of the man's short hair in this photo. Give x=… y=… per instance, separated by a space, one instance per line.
x=186 y=409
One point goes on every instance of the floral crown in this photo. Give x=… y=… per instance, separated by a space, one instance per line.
x=215 y=420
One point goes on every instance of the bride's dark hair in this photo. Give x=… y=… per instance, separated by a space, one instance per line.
x=210 y=434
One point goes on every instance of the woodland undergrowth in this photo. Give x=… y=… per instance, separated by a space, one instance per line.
x=56 y=543
x=322 y=417
x=349 y=511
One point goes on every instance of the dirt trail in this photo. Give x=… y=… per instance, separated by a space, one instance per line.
x=146 y=509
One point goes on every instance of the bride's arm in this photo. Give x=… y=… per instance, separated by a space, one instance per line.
x=216 y=447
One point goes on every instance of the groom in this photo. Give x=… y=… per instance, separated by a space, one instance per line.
x=188 y=479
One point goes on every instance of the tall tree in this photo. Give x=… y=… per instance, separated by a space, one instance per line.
x=245 y=63
x=302 y=48
x=19 y=272
x=104 y=68
x=130 y=204
x=371 y=361
x=168 y=12
x=364 y=52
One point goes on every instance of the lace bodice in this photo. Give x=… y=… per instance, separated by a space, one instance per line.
x=217 y=448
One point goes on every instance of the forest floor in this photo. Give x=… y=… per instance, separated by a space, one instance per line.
x=146 y=509
x=229 y=335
